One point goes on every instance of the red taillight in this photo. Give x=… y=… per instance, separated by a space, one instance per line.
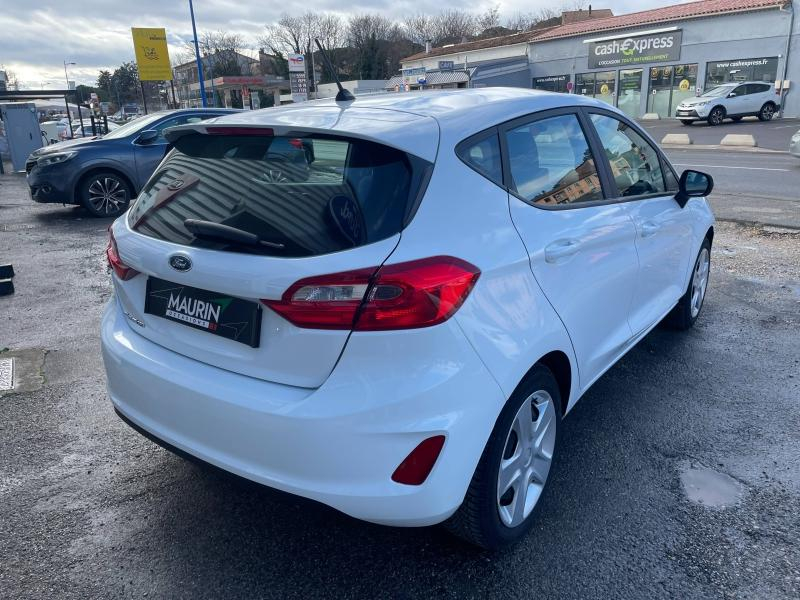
x=122 y=270
x=416 y=467
x=215 y=130
x=419 y=293
x=324 y=302
x=297 y=143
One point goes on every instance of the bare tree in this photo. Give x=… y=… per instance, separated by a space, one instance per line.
x=490 y=19
x=420 y=28
x=453 y=26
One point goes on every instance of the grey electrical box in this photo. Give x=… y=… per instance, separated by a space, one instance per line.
x=23 y=133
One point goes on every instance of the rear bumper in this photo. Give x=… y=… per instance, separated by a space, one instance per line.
x=338 y=444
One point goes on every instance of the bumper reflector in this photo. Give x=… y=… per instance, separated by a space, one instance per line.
x=416 y=467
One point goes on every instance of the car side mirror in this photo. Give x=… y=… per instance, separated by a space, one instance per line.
x=148 y=136
x=732 y=95
x=693 y=184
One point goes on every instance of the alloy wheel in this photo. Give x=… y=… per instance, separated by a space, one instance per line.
x=767 y=112
x=107 y=195
x=700 y=281
x=716 y=116
x=527 y=457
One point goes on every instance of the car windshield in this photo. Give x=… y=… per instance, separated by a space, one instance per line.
x=722 y=90
x=134 y=126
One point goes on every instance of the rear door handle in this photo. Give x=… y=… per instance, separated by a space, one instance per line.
x=560 y=249
x=649 y=228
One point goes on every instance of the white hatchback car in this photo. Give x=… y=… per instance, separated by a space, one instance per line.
x=388 y=305
x=731 y=101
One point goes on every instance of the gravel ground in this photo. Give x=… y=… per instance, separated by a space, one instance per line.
x=89 y=509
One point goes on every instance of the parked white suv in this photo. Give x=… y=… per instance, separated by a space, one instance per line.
x=392 y=312
x=730 y=101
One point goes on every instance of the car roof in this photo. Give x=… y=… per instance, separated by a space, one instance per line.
x=415 y=122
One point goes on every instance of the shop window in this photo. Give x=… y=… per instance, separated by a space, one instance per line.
x=600 y=85
x=748 y=69
x=552 y=83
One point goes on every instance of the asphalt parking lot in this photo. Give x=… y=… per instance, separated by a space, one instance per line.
x=89 y=509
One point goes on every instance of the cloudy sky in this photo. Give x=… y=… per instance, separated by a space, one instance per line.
x=95 y=34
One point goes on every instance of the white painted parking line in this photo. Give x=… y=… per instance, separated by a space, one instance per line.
x=727 y=167
x=6 y=373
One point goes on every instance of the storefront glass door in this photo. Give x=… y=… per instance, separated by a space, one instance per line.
x=668 y=86
x=684 y=81
x=604 y=87
x=660 y=90
x=630 y=92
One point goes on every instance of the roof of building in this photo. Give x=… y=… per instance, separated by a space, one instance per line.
x=573 y=16
x=677 y=12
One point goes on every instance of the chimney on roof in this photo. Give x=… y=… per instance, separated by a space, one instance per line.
x=427 y=46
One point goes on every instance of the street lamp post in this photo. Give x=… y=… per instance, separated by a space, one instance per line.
x=69 y=113
x=197 y=57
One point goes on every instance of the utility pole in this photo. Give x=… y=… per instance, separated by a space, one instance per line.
x=69 y=112
x=197 y=57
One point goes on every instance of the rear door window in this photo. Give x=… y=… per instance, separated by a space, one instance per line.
x=280 y=196
x=550 y=162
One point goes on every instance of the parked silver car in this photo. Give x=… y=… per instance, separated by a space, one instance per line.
x=794 y=144
x=731 y=101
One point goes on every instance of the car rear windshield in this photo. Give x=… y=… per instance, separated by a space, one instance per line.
x=281 y=196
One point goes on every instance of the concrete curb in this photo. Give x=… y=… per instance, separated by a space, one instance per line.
x=739 y=139
x=751 y=150
x=650 y=117
x=677 y=139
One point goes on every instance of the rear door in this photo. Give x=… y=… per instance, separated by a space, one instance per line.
x=646 y=188
x=737 y=104
x=318 y=204
x=581 y=245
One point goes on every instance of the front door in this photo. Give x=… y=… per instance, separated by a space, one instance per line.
x=663 y=229
x=581 y=248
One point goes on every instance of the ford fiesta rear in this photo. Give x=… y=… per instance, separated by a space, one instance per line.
x=260 y=324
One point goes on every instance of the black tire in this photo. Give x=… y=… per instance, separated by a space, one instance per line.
x=767 y=111
x=716 y=116
x=681 y=317
x=478 y=519
x=686 y=122
x=105 y=194
x=736 y=119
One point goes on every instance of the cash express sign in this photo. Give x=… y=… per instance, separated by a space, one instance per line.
x=634 y=50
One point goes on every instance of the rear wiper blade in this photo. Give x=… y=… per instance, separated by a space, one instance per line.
x=218 y=231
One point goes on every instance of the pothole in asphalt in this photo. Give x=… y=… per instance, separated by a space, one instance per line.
x=709 y=487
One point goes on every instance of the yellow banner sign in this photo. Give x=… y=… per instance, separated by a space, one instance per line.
x=152 y=56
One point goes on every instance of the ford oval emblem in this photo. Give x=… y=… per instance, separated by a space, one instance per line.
x=179 y=262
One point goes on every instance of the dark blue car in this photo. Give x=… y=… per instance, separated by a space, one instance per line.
x=104 y=173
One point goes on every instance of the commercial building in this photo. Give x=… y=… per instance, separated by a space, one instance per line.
x=232 y=79
x=644 y=62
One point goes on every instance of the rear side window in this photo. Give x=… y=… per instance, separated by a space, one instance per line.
x=551 y=163
x=634 y=163
x=758 y=88
x=483 y=155
x=280 y=196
